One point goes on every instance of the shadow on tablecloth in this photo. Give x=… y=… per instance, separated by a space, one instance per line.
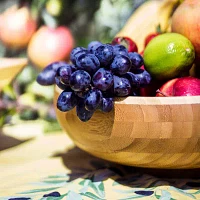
x=8 y=141
x=97 y=179
x=81 y=162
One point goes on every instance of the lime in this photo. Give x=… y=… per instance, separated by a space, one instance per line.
x=168 y=56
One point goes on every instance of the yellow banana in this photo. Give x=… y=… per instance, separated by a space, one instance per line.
x=165 y=12
x=146 y=19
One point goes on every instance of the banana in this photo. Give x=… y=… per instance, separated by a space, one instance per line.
x=146 y=19
x=165 y=12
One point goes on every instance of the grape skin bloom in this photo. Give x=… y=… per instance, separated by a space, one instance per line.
x=120 y=50
x=93 y=99
x=122 y=86
x=105 y=54
x=120 y=65
x=92 y=46
x=103 y=79
x=139 y=78
x=107 y=104
x=82 y=113
x=64 y=72
x=47 y=75
x=76 y=52
x=136 y=60
x=80 y=80
x=88 y=62
x=66 y=101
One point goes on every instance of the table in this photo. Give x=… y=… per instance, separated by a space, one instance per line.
x=50 y=164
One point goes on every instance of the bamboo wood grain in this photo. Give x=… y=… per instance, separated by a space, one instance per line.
x=153 y=132
x=9 y=68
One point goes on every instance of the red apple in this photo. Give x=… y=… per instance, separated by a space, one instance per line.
x=186 y=21
x=166 y=89
x=127 y=42
x=50 y=45
x=187 y=86
x=149 y=38
x=17 y=27
x=184 y=86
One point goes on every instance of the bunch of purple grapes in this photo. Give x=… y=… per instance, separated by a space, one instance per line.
x=95 y=76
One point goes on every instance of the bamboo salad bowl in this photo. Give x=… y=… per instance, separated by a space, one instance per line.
x=150 y=132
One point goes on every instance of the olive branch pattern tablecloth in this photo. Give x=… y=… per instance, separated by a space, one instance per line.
x=106 y=184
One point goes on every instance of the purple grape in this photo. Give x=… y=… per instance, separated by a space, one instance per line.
x=105 y=54
x=92 y=46
x=46 y=78
x=47 y=75
x=60 y=84
x=80 y=80
x=67 y=100
x=122 y=86
x=103 y=79
x=88 y=62
x=64 y=72
x=107 y=104
x=93 y=99
x=109 y=92
x=120 y=49
x=143 y=76
x=82 y=113
x=136 y=60
x=138 y=78
x=120 y=65
x=133 y=79
x=76 y=52
x=77 y=55
x=81 y=94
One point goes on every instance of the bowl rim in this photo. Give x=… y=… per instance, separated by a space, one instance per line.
x=147 y=100
x=140 y=100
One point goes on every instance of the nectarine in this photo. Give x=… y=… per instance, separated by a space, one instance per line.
x=50 y=45
x=186 y=21
x=17 y=27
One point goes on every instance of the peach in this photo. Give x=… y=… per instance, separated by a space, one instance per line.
x=17 y=27
x=186 y=21
x=50 y=45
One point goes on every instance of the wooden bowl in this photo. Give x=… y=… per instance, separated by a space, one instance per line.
x=9 y=68
x=150 y=132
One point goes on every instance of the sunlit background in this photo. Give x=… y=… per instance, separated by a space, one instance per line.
x=24 y=101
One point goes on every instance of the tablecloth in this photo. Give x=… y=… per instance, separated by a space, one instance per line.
x=52 y=167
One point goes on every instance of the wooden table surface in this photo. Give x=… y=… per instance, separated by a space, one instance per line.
x=50 y=163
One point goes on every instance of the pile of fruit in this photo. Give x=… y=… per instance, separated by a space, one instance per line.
x=97 y=74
